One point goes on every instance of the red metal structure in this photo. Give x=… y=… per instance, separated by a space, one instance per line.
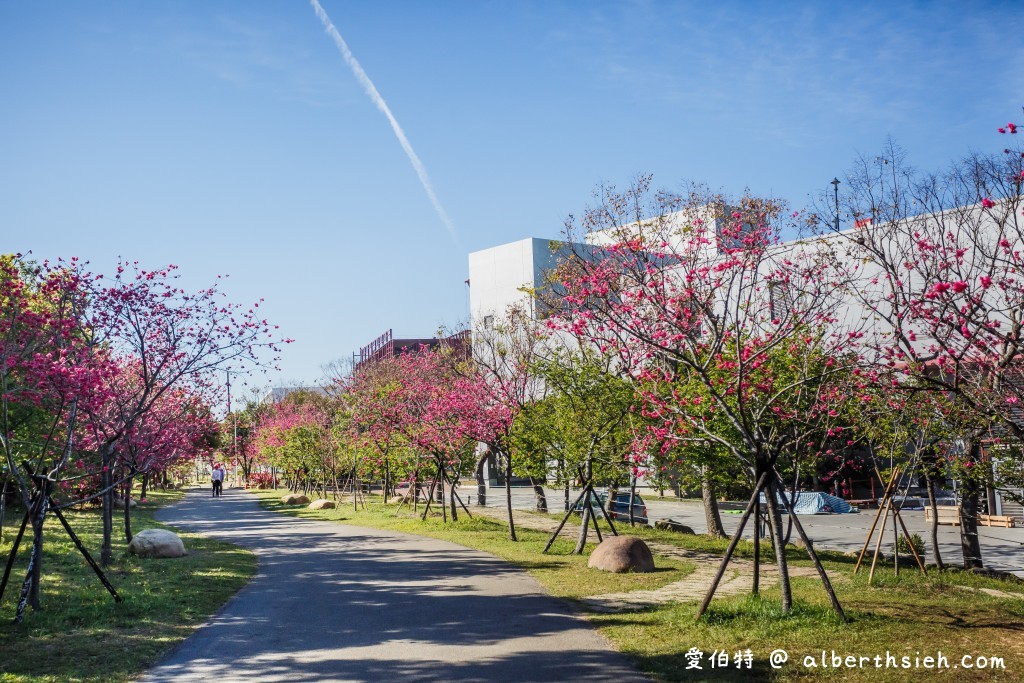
x=386 y=346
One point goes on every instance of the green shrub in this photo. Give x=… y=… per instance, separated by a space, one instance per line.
x=903 y=548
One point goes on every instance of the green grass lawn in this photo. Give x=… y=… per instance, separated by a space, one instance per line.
x=81 y=634
x=558 y=571
x=908 y=615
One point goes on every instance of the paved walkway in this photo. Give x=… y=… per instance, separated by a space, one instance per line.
x=738 y=577
x=341 y=603
x=1002 y=549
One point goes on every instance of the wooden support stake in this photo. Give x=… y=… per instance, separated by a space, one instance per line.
x=14 y=552
x=871 y=532
x=906 y=534
x=459 y=498
x=732 y=546
x=607 y=516
x=878 y=544
x=817 y=565
x=597 y=528
x=756 y=583
x=565 y=519
x=430 y=496
x=87 y=556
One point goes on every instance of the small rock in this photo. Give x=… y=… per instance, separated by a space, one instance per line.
x=799 y=543
x=621 y=554
x=157 y=543
x=294 y=499
x=119 y=503
x=408 y=497
x=994 y=574
x=322 y=504
x=673 y=525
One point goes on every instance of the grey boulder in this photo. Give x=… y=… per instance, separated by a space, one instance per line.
x=157 y=543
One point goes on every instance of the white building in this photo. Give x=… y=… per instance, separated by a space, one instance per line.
x=510 y=273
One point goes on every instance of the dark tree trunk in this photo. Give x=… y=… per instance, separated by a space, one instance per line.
x=538 y=492
x=451 y=495
x=969 y=541
x=990 y=490
x=481 y=483
x=712 y=516
x=581 y=540
x=128 y=511
x=775 y=519
x=933 y=526
x=106 y=479
x=508 y=497
x=145 y=487
x=37 y=557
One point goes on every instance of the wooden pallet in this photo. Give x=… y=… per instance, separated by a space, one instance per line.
x=947 y=514
x=997 y=520
x=950 y=514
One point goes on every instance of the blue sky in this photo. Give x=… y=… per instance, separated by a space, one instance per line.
x=231 y=137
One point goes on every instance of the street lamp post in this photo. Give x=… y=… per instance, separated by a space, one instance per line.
x=234 y=423
x=835 y=189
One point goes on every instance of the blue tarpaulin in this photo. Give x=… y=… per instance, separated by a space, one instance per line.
x=813 y=503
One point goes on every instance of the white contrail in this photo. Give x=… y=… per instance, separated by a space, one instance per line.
x=371 y=90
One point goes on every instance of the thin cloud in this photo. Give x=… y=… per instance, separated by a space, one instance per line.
x=375 y=96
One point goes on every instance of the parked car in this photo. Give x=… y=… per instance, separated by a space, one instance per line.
x=618 y=509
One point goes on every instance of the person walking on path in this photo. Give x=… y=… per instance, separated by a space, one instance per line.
x=218 y=480
x=337 y=603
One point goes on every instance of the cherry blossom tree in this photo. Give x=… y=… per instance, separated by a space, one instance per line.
x=500 y=385
x=96 y=355
x=586 y=423
x=177 y=427
x=169 y=337
x=239 y=427
x=421 y=417
x=944 y=284
x=434 y=416
x=905 y=425
x=372 y=394
x=294 y=437
x=50 y=372
x=693 y=288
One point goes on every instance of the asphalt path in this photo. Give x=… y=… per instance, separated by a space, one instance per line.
x=341 y=603
x=1002 y=548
